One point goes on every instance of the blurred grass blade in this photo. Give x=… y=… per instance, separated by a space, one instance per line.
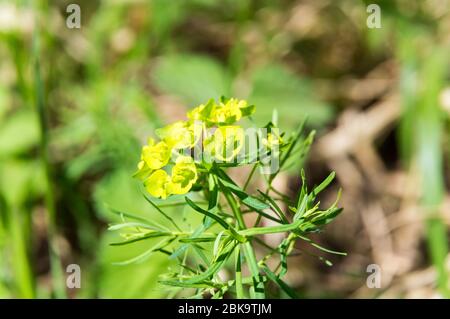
x=58 y=279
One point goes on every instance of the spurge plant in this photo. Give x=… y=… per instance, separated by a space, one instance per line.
x=190 y=164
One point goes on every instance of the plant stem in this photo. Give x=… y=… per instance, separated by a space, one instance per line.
x=55 y=264
x=437 y=246
x=252 y=172
x=258 y=285
x=239 y=287
x=235 y=208
x=20 y=259
x=248 y=249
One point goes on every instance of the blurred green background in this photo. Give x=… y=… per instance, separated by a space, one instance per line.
x=76 y=104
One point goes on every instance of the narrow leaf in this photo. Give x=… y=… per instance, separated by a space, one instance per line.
x=283 y=286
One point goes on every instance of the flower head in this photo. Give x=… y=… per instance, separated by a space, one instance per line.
x=180 y=134
x=157 y=184
x=227 y=112
x=225 y=142
x=184 y=175
x=202 y=112
x=156 y=155
x=153 y=156
x=273 y=140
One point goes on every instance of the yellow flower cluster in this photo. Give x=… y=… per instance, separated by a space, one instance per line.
x=154 y=157
x=224 y=144
x=273 y=140
x=227 y=112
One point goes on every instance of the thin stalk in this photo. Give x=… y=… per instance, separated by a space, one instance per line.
x=258 y=220
x=437 y=246
x=429 y=132
x=170 y=219
x=179 y=204
x=58 y=279
x=239 y=287
x=249 y=178
x=258 y=285
x=234 y=208
x=248 y=249
x=21 y=265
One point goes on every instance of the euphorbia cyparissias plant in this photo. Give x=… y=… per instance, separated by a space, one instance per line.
x=189 y=164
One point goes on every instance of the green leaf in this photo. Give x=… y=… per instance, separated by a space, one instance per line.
x=239 y=287
x=283 y=286
x=200 y=229
x=274 y=85
x=177 y=283
x=142 y=257
x=251 y=201
x=248 y=200
x=197 y=240
x=193 y=78
x=255 y=231
x=136 y=280
x=19 y=133
x=170 y=219
x=219 y=220
x=324 y=184
x=327 y=216
x=275 y=207
x=322 y=248
x=304 y=199
x=131 y=224
x=144 y=236
x=214 y=193
x=249 y=110
x=284 y=249
x=212 y=270
x=146 y=221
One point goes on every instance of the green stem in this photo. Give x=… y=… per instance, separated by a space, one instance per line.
x=55 y=264
x=437 y=246
x=239 y=287
x=258 y=284
x=247 y=182
x=255 y=231
x=20 y=259
x=248 y=249
x=235 y=208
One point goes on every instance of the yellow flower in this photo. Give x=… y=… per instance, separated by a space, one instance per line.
x=184 y=175
x=202 y=112
x=155 y=155
x=197 y=113
x=227 y=112
x=225 y=143
x=273 y=140
x=157 y=184
x=143 y=170
x=180 y=134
